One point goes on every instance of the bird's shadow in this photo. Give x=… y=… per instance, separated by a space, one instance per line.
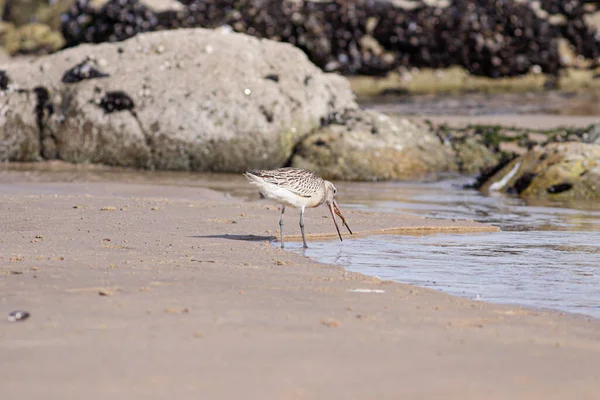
x=247 y=238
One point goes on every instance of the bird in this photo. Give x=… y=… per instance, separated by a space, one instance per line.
x=297 y=188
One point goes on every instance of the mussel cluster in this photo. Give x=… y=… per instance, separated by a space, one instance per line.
x=488 y=37
x=585 y=40
x=117 y=20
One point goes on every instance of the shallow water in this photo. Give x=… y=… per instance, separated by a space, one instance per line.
x=580 y=103
x=546 y=256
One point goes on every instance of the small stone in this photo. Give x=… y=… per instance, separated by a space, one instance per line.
x=18 y=316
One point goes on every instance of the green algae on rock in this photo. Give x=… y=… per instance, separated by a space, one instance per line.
x=455 y=80
x=30 y=39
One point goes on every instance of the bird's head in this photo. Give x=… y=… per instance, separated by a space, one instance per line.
x=330 y=195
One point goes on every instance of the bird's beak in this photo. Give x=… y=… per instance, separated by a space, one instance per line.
x=334 y=209
x=339 y=214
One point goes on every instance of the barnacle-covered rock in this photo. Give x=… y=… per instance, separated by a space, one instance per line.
x=188 y=99
x=488 y=37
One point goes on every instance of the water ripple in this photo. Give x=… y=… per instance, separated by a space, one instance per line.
x=547 y=255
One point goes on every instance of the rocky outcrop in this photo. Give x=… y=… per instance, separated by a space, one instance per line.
x=366 y=146
x=198 y=100
x=363 y=37
x=483 y=150
x=372 y=37
x=556 y=171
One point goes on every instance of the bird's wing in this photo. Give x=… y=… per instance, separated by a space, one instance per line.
x=298 y=181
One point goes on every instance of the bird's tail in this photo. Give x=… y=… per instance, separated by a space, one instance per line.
x=254 y=180
x=252 y=176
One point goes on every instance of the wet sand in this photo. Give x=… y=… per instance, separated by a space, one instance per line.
x=154 y=291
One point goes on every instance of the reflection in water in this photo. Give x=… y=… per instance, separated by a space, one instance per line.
x=546 y=256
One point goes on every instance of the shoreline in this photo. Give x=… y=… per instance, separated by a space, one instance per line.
x=176 y=290
x=456 y=80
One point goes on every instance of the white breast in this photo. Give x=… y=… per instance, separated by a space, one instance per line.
x=284 y=196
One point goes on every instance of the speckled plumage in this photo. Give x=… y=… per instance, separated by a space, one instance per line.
x=297 y=188
x=298 y=181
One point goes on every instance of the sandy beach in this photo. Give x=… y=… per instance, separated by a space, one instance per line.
x=157 y=292
x=142 y=284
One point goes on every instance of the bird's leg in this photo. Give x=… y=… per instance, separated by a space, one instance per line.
x=281 y=225
x=302 y=226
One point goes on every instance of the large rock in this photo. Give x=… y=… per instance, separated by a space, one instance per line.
x=189 y=99
x=368 y=146
x=559 y=171
x=203 y=100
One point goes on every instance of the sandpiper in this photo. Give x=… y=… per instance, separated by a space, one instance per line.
x=298 y=188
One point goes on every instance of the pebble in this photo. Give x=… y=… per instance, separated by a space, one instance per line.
x=16 y=316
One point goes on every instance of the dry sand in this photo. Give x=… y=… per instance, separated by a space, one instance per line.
x=162 y=292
